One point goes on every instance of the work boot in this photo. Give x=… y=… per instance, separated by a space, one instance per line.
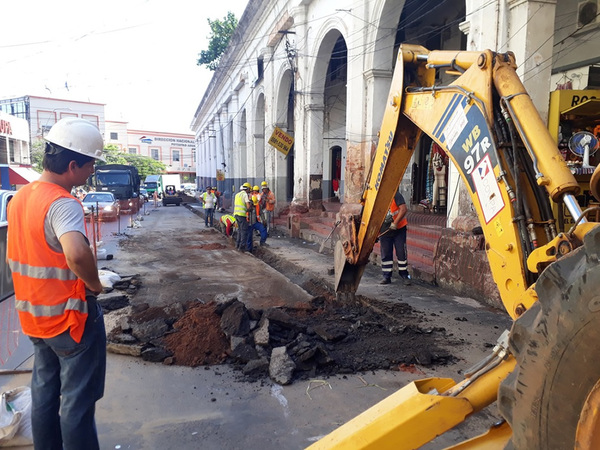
x=385 y=280
x=264 y=244
x=404 y=275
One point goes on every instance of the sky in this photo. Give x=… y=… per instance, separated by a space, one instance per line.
x=138 y=57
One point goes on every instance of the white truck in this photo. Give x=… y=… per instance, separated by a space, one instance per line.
x=169 y=186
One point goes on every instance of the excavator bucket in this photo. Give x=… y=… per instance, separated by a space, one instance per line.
x=347 y=276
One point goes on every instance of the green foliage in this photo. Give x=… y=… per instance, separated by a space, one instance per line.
x=221 y=32
x=37 y=155
x=145 y=165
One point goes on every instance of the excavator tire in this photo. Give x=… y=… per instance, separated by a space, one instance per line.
x=557 y=347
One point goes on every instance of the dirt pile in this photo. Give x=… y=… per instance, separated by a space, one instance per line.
x=324 y=338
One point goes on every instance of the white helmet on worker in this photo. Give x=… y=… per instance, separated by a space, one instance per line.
x=78 y=135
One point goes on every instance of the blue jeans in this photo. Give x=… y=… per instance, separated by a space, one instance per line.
x=68 y=377
x=209 y=215
x=263 y=235
x=242 y=235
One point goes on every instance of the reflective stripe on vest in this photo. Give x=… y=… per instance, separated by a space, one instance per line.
x=41 y=272
x=394 y=211
x=72 y=304
x=240 y=204
x=50 y=298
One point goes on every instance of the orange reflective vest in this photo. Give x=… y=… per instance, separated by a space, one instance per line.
x=49 y=297
x=270 y=203
x=394 y=211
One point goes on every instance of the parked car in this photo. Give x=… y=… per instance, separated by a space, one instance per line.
x=144 y=194
x=104 y=205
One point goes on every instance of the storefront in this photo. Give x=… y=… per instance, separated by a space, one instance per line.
x=15 y=158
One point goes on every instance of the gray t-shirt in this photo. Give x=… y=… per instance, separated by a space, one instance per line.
x=64 y=215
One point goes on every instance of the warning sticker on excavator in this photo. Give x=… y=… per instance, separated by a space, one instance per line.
x=463 y=131
x=457 y=123
x=487 y=189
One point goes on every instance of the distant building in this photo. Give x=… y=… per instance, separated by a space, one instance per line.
x=43 y=112
x=15 y=162
x=177 y=151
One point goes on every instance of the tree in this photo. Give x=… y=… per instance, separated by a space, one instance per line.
x=221 y=32
x=37 y=155
x=144 y=164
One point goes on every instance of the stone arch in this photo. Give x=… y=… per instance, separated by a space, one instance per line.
x=280 y=166
x=326 y=111
x=258 y=134
x=242 y=154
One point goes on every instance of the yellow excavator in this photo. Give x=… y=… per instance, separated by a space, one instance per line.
x=544 y=373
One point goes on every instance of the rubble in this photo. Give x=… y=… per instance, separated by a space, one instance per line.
x=286 y=344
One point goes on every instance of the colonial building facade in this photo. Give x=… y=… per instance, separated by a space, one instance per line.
x=320 y=71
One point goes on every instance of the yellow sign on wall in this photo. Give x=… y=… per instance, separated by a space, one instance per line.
x=220 y=175
x=281 y=141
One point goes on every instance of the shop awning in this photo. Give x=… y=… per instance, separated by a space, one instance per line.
x=22 y=175
x=590 y=107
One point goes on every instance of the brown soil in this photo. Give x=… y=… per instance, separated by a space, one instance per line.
x=198 y=339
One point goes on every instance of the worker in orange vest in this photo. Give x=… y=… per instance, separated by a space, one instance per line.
x=56 y=283
x=268 y=205
x=393 y=237
x=254 y=221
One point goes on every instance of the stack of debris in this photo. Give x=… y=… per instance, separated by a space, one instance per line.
x=325 y=338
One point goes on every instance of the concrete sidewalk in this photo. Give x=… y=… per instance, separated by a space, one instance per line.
x=152 y=406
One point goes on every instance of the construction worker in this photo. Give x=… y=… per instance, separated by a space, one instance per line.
x=219 y=204
x=241 y=206
x=229 y=223
x=254 y=221
x=209 y=200
x=393 y=236
x=56 y=283
x=268 y=205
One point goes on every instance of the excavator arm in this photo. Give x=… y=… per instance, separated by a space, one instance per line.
x=488 y=126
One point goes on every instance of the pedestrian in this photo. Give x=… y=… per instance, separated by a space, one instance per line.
x=393 y=236
x=241 y=207
x=209 y=200
x=56 y=283
x=268 y=208
x=229 y=223
x=254 y=221
x=219 y=203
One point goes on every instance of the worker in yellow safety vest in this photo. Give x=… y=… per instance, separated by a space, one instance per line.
x=229 y=223
x=241 y=206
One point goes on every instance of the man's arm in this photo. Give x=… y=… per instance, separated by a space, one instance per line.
x=402 y=209
x=80 y=259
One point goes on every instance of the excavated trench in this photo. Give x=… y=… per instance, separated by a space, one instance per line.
x=196 y=315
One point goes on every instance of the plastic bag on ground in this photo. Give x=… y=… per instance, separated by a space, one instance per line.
x=15 y=417
x=108 y=278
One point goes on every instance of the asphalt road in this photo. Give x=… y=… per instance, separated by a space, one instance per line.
x=153 y=406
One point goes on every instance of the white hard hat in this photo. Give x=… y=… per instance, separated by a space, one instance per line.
x=77 y=135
